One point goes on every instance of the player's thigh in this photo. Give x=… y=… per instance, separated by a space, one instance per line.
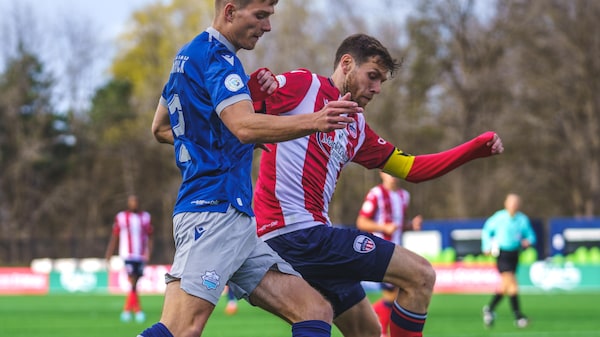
x=359 y=321
x=290 y=298
x=408 y=270
x=184 y=314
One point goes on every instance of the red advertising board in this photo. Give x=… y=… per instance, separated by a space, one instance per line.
x=22 y=281
x=466 y=278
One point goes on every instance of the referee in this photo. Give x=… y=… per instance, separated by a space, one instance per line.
x=504 y=235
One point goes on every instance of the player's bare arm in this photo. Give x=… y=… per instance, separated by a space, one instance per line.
x=161 y=125
x=425 y=167
x=250 y=127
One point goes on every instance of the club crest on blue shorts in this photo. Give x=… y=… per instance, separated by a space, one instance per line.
x=363 y=244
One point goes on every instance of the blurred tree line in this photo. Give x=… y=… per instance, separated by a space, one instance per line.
x=528 y=70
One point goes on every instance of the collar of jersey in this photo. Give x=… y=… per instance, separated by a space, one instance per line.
x=217 y=35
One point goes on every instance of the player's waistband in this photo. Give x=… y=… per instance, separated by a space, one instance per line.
x=291 y=228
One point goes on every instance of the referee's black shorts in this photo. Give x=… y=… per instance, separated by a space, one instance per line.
x=507 y=261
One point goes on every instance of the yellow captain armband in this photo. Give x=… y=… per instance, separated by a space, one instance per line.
x=399 y=164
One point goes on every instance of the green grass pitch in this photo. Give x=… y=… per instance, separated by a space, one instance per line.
x=551 y=315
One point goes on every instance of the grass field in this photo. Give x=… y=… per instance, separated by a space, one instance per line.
x=551 y=315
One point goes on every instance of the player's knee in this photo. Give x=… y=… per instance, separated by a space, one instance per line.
x=421 y=277
x=424 y=276
x=322 y=310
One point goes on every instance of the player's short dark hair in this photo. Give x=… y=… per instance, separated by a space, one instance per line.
x=241 y=3
x=362 y=47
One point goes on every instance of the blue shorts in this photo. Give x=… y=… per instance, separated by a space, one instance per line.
x=134 y=268
x=335 y=260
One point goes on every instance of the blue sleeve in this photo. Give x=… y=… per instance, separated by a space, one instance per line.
x=226 y=80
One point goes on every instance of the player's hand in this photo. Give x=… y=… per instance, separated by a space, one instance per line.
x=334 y=114
x=495 y=144
x=417 y=223
x=389 y=228
x=262 y=84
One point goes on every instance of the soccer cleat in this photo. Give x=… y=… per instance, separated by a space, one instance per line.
x=488 y=316
x=125 y=316
x=140 y=317
x=522 y=322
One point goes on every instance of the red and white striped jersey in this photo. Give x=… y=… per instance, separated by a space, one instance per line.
x=384 y=206
x=297 y=178
x=134 y=230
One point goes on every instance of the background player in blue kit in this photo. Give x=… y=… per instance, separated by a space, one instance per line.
x=509 y=230
x=206 y=112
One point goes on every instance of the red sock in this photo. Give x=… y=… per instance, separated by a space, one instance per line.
x=384 y=311
x=127 y=306
x=405 y=323
x=134 y=302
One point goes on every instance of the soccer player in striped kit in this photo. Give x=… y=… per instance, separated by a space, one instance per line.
x=132 y=231
x=384 y=213
x=297 y=179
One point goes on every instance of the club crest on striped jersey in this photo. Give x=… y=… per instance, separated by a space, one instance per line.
x=363 y=244
x=335 y=144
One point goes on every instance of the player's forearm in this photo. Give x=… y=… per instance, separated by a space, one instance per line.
x=272 y=129
x=368 y=225
x=430 y=166
x=161 y=126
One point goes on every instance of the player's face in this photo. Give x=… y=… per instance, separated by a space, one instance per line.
x=251 y=22
x=364 y=81
x=132 y=203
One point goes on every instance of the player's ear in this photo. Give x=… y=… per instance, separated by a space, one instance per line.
x=347 y=62
x=229 y=10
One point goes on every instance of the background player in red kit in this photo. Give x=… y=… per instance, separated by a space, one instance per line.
x=384 y=213
x=132 y=231
x=297 y=179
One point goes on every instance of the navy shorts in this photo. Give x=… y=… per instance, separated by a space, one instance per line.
x=507 y=261
x=134 y=268
x=336 y=260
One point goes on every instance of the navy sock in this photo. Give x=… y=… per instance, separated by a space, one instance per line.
x=157 y=330
x=312 y=328
x=406 y=323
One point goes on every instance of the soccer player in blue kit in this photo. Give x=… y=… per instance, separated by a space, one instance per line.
x=206 y=112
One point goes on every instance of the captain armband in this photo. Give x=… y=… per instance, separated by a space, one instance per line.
x=399 y=164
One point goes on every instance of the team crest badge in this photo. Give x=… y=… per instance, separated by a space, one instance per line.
x=210 y=280
x=234 y=82
x=363 y=244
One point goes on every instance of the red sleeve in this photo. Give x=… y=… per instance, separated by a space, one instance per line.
x=293 y=87
x=369 y=205
x=375 y=150
x=431 y=166
x=149 y=228
x=115 y=228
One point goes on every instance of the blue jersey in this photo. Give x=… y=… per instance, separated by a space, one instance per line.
x=215 y=166
x=507 y=231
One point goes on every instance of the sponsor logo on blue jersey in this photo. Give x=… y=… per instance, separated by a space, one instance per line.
x=198 y=232
x=363 y=244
